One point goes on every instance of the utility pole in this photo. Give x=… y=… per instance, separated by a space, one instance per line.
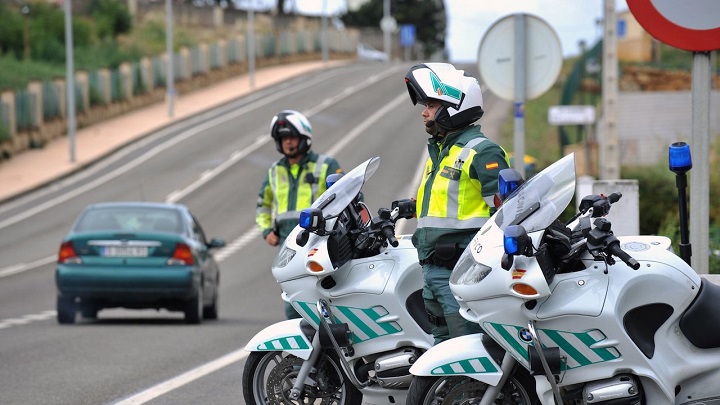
x=70 y=79
x=170 y=76
x=609 y=144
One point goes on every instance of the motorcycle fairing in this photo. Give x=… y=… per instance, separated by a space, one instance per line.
x=578 y=348
x=464 y=355
x=366 y=323
x=286 y=336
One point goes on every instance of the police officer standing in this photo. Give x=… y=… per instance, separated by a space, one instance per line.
x=459 y=183
x=293 y=182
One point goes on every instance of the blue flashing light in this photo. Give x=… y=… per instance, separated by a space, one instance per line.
x=506 y=187
x=511 y=244
x=332 y=179
x=305 y=219
x=679 y=158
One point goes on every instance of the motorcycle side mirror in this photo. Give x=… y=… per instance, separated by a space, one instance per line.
x=508 y=181
x=302 y=238
x=406 y=208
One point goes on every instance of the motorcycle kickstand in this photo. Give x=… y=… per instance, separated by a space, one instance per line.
x=537 y=344
x=306 y=368
x=492 y=391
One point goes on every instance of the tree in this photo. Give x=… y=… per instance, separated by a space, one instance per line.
x=428 y=16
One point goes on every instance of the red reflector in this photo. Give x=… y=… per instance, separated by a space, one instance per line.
x=182 y=255
x=67 y=252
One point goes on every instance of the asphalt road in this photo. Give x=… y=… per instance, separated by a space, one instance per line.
x=214 y=163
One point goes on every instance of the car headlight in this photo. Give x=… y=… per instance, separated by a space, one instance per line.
x=284 y=257
x=467 y=271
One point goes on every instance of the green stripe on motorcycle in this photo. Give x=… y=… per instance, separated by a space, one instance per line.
x=476 y=365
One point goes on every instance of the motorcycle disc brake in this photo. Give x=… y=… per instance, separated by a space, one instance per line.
x=281 y=380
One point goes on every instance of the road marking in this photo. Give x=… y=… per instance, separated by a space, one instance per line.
x=185 y=378
x=24 y=320
x=205 y=177
x=199 y=129
x=261 y=140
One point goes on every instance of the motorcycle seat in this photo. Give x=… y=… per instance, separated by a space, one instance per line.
x=701 y=313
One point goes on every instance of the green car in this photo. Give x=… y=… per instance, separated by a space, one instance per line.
x=137 y=255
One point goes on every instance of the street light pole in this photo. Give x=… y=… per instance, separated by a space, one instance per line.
x=26 y=32
x=169 y=77
x=251 y=43
x=70 y=79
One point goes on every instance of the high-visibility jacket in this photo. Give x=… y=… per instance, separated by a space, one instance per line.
x=460 y=175
x=288 y=189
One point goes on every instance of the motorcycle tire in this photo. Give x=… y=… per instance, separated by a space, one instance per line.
x=268 y=378
x=519 y=389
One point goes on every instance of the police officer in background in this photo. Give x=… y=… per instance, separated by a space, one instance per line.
x=459 y=183
x=293 y=182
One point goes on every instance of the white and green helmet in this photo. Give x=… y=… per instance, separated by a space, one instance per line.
x=291 y=123
x=458 y=93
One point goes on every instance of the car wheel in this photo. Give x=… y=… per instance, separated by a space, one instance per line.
x=66 y=310
x=194 y=308
x=211 y=312
x=88 y=311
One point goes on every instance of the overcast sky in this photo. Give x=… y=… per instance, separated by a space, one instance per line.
x=468 y=20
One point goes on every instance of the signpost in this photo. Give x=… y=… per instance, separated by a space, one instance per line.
x=693 y=26
x=519 y=59
x=407 y=38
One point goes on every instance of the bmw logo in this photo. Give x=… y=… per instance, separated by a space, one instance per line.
x=525 y=335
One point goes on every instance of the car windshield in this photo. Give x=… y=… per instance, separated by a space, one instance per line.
x=541 y=199
x=334 y=200
x=130 y=219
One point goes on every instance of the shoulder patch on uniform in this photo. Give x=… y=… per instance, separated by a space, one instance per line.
x=493 y=165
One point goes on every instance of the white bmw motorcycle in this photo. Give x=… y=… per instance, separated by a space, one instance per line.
x=644 y=329
x=359 y=291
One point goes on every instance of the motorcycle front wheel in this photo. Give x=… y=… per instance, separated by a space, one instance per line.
x=456 y=390
x=268 y=379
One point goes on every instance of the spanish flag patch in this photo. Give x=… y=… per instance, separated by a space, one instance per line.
x=490 y=166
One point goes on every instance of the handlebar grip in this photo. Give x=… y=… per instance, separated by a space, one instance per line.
x=616 y=250
x=614 y=197
x=389 y=234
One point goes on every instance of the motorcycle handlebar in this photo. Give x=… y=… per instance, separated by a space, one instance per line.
x=614 y=197
x=389 y=234
x=617 y=251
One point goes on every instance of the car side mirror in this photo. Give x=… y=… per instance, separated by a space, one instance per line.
x=216 y=243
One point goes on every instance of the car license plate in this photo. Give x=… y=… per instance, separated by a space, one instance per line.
x=125 y=251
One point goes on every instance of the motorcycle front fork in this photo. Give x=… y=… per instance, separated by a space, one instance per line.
x=493 y=391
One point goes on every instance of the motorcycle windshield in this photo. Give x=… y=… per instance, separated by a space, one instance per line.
x=541 y=199
x=334 y=200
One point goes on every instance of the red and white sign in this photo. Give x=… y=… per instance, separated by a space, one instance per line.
x=693 y=25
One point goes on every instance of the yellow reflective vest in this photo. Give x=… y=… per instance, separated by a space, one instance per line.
x=458 y=174
x=288 y=189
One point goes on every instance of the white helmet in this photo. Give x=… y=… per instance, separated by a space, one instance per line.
x=291 y=123
x=458 y=93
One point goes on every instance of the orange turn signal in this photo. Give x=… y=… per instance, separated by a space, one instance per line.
x=524 y=289
x=315 y=266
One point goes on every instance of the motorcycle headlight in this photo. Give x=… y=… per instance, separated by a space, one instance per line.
x=284 y=257
x=467 y=271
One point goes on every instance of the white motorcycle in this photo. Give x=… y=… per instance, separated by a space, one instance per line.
x=359 y=291
x=591 y=330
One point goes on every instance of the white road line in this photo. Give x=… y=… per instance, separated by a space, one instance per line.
x=261 y=140
x=20 y=267
x=159 y=148
x=187 y=377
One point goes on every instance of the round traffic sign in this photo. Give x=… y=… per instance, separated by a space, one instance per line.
x=692 y=26
x=388 y=24
x=496 y=57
